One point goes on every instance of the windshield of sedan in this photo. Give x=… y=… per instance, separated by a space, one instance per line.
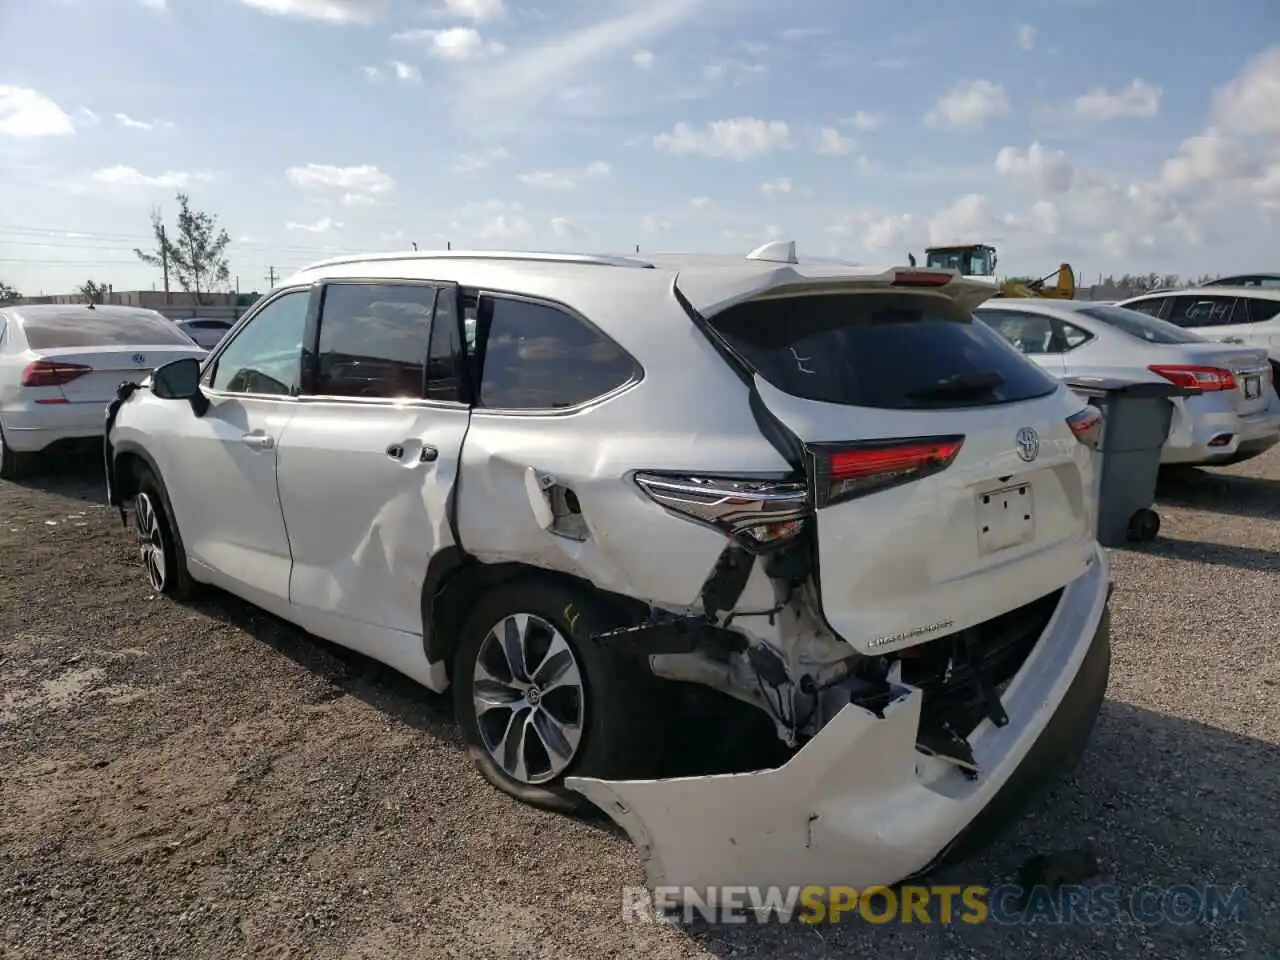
x=1141 y=325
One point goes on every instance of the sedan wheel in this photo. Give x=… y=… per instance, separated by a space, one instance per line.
x=146 y=522
x=528 y=697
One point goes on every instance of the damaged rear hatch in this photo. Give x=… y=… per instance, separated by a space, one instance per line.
x=948 y=483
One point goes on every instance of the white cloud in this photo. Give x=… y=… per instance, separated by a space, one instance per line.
x=86 y=115
x=864 y=120
x=652 y=223
x=127 y=121
x=535 y=74
x=153 y=4
x=970 y=106
x=323 y=225
x=1208 y=157
x=27 y=113
x=643 y=58
x=405 y=72
x=565 y=228
x=776 y=188
x=564 y=179
x=482 y=160
x=371 y=73
x=968 y=220
x=505 y=226
x=457 y=44
x=1251 y=102
x=1046 y=170
x=328 y=11
x=1026 y=36
x=805 y=33
x=700 y=203
x=1138 y=99
x=357 y=184
x=742 y=138
x=129 y=177
x=735 y=72
x=832 y=142
x=479 y=11
x=888 y=231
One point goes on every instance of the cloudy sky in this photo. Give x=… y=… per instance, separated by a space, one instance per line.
x=1116 y=134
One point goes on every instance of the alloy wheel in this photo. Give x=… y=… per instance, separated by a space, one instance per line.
x=529 y=699
x=146 y=522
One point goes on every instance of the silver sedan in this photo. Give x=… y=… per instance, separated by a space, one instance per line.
x=1233 y=415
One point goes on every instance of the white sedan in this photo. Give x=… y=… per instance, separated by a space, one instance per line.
x=60 y=365
x=1234 y=414
x=206 y=331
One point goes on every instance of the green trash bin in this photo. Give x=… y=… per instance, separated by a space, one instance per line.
x=1136 y=416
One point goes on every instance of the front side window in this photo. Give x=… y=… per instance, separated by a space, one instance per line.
x=374 y=340
x=266 y=355
x=539 y=357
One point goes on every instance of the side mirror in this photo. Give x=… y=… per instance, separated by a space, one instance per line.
x=180 y=380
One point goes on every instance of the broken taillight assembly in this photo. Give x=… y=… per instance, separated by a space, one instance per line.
x=847 y=470
x=1199 y=379
x=758 y=513
x=1087 y=426
x=48 y=373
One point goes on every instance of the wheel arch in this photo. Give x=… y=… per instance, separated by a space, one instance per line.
x=455 y=581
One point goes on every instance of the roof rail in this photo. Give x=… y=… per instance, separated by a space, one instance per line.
x=598 y=260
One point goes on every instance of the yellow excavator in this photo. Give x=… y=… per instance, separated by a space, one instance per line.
x=978 y=261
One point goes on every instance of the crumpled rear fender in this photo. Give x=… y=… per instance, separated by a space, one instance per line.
x=859 y=805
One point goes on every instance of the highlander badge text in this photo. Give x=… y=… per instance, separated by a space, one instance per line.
x=894 y=638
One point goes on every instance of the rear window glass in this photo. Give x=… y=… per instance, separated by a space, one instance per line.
x=1140 y=325
x=893 y=351
x=82 y=327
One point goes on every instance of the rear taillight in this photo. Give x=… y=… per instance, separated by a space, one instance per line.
x=49 y=373
x=758 y=513
x=847 y=470
x=1200 y=379
x=921 y=278
x=1087 y=426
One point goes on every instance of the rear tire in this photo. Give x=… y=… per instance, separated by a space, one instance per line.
x=164 y=560
x=573 y=706
x=13 y=464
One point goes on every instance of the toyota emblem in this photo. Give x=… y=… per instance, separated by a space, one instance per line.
x=139 y=358
x=1028 y=442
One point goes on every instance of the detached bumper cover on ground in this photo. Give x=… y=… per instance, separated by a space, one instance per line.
x=859 y=805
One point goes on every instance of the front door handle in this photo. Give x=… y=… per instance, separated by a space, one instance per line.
x=428 y=454
x=259 y=441
x=395 y=451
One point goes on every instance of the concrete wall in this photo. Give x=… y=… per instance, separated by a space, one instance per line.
x=221 y=306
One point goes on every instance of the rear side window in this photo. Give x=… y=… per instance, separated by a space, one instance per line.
x=1139 y=325
x=1255 y=310
x=100 y=327
x=893 y=351
x=374 y=339
x=539 y=357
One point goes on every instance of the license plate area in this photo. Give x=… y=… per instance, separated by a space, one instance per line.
x=1006 y=518
x=1252 y=388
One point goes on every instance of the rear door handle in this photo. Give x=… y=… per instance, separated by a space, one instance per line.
x=428 y=454
x=259 y=441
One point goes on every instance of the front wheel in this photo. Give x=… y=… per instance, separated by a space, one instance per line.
x=164 y=561
x=539 y=699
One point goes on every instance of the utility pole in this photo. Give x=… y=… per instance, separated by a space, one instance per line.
x=271 y=277
x=164 y=262
x=415 y=245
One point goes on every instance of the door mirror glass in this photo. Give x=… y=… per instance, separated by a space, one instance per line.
x=177 y=379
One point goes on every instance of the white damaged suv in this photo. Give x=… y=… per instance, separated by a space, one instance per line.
x=580 y=489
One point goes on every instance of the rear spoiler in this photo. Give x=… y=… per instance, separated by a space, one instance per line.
x=715 y=289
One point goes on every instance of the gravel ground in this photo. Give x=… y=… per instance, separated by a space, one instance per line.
x=207 y=781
